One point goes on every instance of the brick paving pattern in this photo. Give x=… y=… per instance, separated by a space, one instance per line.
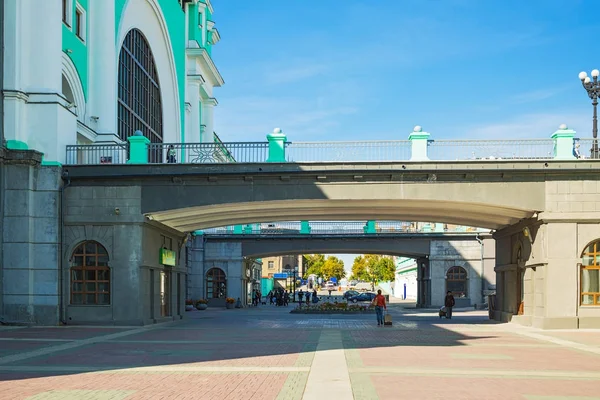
x=267 y=353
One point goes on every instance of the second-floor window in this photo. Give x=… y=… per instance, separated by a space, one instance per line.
x=78 y=27
x=67 y=8
x=271 y=264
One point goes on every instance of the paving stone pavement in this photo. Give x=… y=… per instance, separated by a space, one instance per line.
x=266 y=353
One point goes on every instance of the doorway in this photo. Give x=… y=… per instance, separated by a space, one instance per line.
x=165 y=293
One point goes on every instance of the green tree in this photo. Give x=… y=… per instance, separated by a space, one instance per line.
x=359 y=269
x=314 y=264
x=373 y=268
x=333 y=267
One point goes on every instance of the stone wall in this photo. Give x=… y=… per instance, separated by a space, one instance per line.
x=30 y=239
x=224 y=255
x=111 y=216
x=445 y=254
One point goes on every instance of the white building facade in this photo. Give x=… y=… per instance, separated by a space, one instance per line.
x=96 y=71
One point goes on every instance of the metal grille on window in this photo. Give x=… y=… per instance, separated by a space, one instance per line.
x=139 y=102
x=90 y=275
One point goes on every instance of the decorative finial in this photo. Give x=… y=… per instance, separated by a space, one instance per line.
x=563 y=127
x=417 y=128
x=138 y=133
x=277 y=130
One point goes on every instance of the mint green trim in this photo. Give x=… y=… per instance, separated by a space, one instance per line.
x=277 y=141
x=175 y=23
x=305 y=228
x=78 y=50
x=238 y=230
x=439 y=227
x=138 y=149
x=193 y=22
x=247 y=229
x=563 y=143
x=369 y=227
x=16 y=145
x=51 y=164
x=419 y=142
x=406 y=271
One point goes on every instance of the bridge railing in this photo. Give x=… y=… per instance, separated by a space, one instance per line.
x=208 y=153
x=333 y=228
x=98 y=153
x=419 y=147
x=463 y=150
x=376 y=150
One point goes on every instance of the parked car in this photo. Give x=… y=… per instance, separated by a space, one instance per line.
x=368 y=296
x=350 y=293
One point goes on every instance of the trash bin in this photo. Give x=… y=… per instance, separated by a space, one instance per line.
x=491 y=305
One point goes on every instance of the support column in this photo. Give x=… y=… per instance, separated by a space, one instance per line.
x=277 y=141
x=418 y=140
x=563 y=143
x=193 y=134
x=102 y=93
x=208 y=119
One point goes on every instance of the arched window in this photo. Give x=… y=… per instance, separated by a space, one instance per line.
x=590 y=275
x=216 y=284
x=90 y=275
x=456 y=281
x=139 y=103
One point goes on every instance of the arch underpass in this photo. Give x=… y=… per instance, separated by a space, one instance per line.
x=452 y=212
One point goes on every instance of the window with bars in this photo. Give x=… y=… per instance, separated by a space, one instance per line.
x=456 y=281
x=139 y=102
x=90 y=275
x=590 y=275
x=216 y=284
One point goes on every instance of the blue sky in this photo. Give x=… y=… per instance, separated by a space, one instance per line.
x=365 y=70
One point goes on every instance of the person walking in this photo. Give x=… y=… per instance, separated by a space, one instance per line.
x=449 y=303
x=379 y=302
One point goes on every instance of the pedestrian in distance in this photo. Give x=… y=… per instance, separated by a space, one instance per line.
x=449 y=303
x=379 y=303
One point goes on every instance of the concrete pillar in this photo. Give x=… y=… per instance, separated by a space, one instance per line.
x=138 y=148
x=277 y=141
x=30 y=246
x=43 y=19
x=193 y=134
x=418 y=140
x=305 y=227
x=563 y=143
x=102 y=93
x=208 y=120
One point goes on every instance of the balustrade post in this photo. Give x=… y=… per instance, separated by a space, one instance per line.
x=418 y=140
x=304 y=228
x=563 y=143
x=248 y=229
x=369 y=227
x=238 y=229
x=138 y=148
x=277 y=141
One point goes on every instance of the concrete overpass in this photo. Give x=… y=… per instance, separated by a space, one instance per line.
x=435 y=253
x=555 y=200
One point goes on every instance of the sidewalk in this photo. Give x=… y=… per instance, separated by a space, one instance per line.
x=266 y=353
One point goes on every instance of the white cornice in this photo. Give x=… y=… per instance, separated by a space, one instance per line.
x=196 y=78
x=210 y=7
x=207 y=63
x=215 y=36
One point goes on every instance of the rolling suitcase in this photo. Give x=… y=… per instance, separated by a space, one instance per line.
x=387 y=319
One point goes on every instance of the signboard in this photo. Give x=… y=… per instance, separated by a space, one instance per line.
x=333 y=279
x=283 y=275
x=167 y=257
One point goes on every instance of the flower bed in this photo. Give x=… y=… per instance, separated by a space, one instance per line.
x=333 y=308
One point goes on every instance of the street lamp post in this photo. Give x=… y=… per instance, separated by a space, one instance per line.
x=592 y=87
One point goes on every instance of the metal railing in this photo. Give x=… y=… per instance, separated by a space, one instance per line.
x=333 y=228
x=585 y=147
x=216 y=152
x=463 y=150
x=381 y=150
x=98 y=153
